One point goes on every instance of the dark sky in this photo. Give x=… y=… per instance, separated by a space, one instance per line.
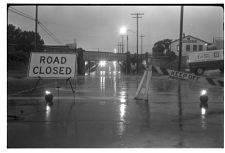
x=98 y=26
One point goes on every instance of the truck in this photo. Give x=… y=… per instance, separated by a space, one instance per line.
x=199 y=62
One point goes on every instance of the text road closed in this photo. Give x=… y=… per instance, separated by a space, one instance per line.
x=50 y=65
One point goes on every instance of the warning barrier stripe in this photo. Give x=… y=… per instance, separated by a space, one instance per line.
x=187 y=76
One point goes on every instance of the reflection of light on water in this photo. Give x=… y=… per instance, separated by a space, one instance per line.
x=48 y=111
x=102 y=81
x=203 y=118
x=203 y=122
x=203 y=111
x=114 y=66
x=114 y=85
x=102 y=72
x=122 y=100
x=121 y=127
x=122 y=111
x=123 y=96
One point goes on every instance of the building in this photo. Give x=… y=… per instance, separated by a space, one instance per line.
x=189 y=44
x=218 y=43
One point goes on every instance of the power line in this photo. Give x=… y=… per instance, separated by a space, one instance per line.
x=24 y=15
x=44 y=28
x=52 y=35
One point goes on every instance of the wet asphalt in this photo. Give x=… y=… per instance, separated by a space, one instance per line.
x=104 y=114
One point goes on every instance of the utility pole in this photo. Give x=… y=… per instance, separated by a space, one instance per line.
x=119 y=47
x=181 y=33
x=122 y=43
x=36 y=22
x=141 y=45
x=127 y=42
x=137 y=16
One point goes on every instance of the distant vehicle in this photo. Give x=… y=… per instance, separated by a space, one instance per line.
x=199 y=62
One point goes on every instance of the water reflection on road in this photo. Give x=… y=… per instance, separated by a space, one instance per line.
x=105 y=114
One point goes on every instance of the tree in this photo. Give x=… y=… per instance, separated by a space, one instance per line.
x=171 y=55
x=161 y=47
x=24 y=40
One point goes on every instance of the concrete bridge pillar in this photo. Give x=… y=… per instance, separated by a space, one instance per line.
x=80 y=62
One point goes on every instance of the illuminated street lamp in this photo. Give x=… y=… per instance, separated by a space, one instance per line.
x=123 y=30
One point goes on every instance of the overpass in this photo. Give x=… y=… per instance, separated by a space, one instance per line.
x=107 y=56
x=92 y=55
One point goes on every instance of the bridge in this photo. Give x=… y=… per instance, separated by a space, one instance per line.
x=88 y=59
x=88 y=55
x=107 y=56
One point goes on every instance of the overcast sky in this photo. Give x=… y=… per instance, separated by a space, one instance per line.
x=98 y=26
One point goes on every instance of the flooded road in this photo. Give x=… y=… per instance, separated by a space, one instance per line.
x=104 y=114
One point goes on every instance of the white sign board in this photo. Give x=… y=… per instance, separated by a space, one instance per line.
x=52 y=65
x=203 y=56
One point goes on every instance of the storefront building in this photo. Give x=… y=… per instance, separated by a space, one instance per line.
x=189 y=44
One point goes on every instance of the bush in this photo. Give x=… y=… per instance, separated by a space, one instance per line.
x=171 y=55
x=17 y=57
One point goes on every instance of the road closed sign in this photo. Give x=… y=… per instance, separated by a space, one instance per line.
x=52 y=65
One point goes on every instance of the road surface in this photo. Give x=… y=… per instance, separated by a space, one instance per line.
x=104 y=114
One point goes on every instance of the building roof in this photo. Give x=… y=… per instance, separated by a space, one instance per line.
x=54 y=48
x=192 y=37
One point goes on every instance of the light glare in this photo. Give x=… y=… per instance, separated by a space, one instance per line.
x=203 y=92
x=47 y=92
x=123 y=30
x=203 y=111
x=102 y=63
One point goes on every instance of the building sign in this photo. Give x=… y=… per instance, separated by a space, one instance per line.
x=202 y=56
x=52 y=65
x=189 y=41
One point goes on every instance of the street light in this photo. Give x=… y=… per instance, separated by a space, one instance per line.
x=123 y=30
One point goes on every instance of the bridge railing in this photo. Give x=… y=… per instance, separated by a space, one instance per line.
x=108 y=56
